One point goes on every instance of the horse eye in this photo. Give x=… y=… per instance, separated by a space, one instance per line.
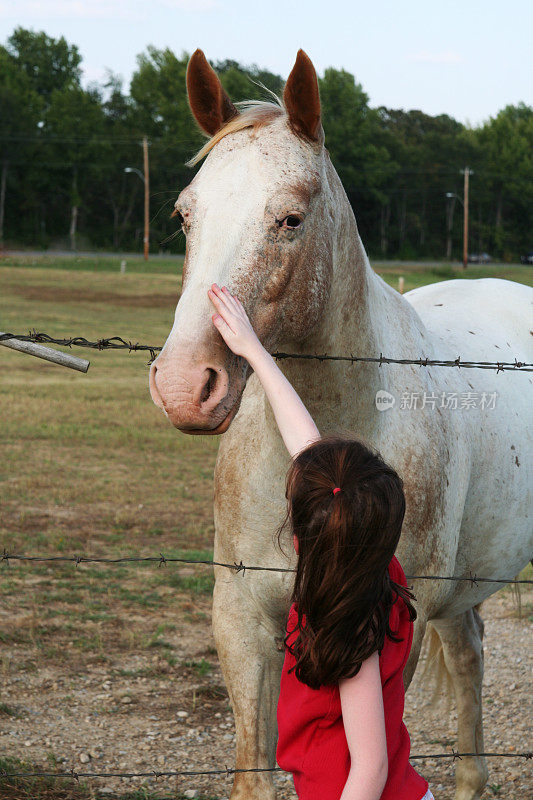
x=178 y=215
x=291 y=222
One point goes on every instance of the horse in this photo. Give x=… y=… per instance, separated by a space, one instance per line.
x=266 y=215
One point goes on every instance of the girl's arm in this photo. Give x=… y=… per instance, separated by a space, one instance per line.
x=293 y=419
x=364 y=724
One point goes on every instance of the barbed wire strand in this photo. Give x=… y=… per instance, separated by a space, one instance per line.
x=118 y=343
x=161 y=560
x=76 y=775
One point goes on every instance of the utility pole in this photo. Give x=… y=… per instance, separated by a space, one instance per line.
x=466 y=172
x=451 y=197
x=146 y=199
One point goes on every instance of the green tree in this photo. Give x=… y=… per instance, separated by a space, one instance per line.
x=160 y=98
x=429 y=152
x=161 y=112
x=74 y=127
x=505 y=152
x=50 y=64
x=120 y=192
x=21 y=110
x=356 y=144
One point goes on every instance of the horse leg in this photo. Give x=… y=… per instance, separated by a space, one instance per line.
x=251 y=665
x=462 y=647
x=416 y=645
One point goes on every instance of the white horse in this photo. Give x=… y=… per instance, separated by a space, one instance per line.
x=267 y=215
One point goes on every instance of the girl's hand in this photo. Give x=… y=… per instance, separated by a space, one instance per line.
x=232 y=322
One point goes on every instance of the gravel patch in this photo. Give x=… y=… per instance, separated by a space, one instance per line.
x=137 y=713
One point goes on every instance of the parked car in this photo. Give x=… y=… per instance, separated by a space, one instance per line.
x=479 y=258
x=527 y=258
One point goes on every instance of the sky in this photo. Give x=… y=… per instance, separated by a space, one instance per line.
x=465 y=58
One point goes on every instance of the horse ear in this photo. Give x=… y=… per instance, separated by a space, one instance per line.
x=209 y=103
x=302 y=100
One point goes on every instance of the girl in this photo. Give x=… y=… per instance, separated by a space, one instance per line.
x=350 y=625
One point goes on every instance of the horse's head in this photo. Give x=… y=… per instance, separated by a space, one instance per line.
x=258 y=218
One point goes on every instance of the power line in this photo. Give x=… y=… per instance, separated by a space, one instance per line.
x=176 y=144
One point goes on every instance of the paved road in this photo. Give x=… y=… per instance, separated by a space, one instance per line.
x=82 y=254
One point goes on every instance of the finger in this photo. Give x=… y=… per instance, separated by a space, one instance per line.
x=230 y=297
x=241 y=311
x=226 y=317
x=232 y=305
x=232 y=301
x=241 y=307
x=218 y=301
x=222 y=326
x=227 y=314
x=222 y=296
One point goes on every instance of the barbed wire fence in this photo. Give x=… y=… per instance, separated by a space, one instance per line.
x=161 y=560
x=76 y=775
x=119 y=343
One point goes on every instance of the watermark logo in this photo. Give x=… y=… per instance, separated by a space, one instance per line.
x=384 y=400
x=451 y=401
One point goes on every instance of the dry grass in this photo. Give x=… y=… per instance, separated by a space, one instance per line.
x=88 y=459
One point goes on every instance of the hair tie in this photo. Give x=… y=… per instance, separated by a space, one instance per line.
x=336 y=489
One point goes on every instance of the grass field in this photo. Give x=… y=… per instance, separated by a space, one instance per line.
x=415 y=274
x=90 y=466
x=96 y=263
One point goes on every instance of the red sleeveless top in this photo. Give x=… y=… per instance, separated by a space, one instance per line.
x=311 y=739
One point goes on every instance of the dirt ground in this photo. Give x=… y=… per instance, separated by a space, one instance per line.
x=138 y=712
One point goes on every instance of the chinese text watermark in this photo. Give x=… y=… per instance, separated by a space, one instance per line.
x=412 y=401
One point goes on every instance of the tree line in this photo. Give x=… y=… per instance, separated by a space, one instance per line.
x=64 y=148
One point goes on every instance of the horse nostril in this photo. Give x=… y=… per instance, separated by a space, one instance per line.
x=154 y=391
x=209 y=385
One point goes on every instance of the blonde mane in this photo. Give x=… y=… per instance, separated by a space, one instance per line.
x=255 y=114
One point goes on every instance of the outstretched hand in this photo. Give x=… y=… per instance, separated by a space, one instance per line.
x=232 y=322
x=294 y=421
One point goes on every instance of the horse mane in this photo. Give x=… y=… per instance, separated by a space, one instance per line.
x=254 y=114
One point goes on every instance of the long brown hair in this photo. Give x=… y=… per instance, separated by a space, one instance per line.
x=346 y=541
